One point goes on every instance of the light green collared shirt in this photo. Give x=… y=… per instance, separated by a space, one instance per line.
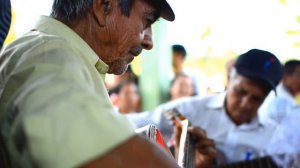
x=54 y=108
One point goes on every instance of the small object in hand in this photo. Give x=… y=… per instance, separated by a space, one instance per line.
x=186 y=154
x=153 y=134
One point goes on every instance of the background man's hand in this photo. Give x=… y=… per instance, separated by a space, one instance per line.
x=205 y=152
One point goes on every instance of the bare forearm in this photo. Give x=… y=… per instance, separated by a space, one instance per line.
x=136 y=152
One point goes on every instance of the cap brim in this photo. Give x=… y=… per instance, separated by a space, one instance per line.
x=166 y=11
x=258 y=76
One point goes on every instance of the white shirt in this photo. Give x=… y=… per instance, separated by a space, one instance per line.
x=275 y=108
x=286 y=139
x=235 y=142
x=285 y=143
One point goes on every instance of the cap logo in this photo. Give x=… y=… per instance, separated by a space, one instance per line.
x=268 y=64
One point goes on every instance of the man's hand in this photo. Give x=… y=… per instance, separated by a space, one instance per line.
x=205 y=152
x=205 y=148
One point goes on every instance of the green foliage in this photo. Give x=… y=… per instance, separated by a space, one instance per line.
x=292 y=32
x=206 y=33
x=283 y=2
x=298 y=18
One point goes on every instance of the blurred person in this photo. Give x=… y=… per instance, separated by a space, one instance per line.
x=182 y=86
x=285 y=144
x=276 y=107
x=113 y=83
x=285 y=110
x=178 y=58
x=229 y=118
x=54 y=107
x=128 y=98
x=5 y=19
x=179 y=55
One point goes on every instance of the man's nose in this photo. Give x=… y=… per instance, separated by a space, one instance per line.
x=245 y=102
x=147 y=42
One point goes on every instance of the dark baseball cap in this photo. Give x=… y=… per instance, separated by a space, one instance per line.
x=261 y=65
x=165 y=9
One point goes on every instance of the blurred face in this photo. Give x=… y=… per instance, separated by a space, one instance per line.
x=182 y=87
x=177 y=60
x=122 y=38
x=293 y=81
x=244 y=96
x=128 y=98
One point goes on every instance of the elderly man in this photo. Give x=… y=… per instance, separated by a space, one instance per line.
x=230 y=118
x=54 y=107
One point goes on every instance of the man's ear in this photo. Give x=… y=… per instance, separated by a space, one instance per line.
x=101 y=8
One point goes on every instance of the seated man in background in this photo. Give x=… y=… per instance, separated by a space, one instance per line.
x=276 y=107
x=229 y=118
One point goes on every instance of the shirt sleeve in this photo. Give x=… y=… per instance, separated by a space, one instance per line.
x=65 y=122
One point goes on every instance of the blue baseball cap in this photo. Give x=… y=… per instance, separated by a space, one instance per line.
x=261 y=65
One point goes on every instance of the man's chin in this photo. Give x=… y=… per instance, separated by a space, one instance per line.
x=117 y=70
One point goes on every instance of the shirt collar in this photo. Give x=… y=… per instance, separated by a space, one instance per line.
x=218 y=102
x=254 y=124
x=52 y=26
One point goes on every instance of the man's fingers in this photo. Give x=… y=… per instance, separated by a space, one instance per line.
x=206 y=147
x=177 y=131
x=177 y=134
x=209 y=151
x=197 y=132
x=205 y=143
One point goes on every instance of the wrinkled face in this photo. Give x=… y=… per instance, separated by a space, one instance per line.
x=244 y=96
x=182 y=87
x=122 y=38
x=128 y=99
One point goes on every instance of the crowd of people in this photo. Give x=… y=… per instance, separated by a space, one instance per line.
x=54 y=107
x=229 y=118
x=260 y=94
x=56 y=110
